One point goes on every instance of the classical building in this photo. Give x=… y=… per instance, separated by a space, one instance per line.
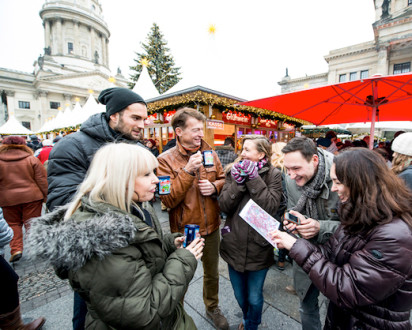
x=75 y=63
x=389 y=53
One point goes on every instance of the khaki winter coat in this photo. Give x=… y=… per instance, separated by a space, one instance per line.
x=187 y=205
x=23 y=178
x=128 y=274
x=328 y=218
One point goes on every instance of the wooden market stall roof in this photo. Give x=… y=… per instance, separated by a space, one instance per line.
x=199 y=95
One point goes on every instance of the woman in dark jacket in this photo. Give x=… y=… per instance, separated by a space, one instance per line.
x=247 y=253
x=365 y=268
x=110 y=246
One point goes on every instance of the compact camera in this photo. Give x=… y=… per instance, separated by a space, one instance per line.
x=292 y=218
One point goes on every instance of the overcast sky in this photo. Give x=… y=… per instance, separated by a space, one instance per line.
x=253 y=44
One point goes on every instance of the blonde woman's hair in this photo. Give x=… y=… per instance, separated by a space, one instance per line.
x=112 y=174
x=278 y=155
x=400 y=162
x=262 y=144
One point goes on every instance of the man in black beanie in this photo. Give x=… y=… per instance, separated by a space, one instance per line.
x=70 y=159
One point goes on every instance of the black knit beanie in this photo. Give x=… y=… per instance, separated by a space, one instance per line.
x=116 y=99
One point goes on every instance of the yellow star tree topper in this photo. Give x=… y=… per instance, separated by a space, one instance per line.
x=212 y=29
x=144 y=62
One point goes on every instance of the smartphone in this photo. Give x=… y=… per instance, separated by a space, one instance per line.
x=292 y=218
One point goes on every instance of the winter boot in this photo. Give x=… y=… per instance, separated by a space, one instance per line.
x=13 y=321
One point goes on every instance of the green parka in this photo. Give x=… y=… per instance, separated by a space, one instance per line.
x=130 y=276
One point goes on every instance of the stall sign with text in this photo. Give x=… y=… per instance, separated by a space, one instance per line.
x=236 y=118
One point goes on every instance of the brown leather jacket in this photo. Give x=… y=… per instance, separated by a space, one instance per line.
x=187 y=205
x=23 y=178
x=368 y=278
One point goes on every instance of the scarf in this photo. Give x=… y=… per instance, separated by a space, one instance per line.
x=311 y=191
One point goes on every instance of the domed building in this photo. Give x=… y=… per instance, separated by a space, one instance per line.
x=75 y=63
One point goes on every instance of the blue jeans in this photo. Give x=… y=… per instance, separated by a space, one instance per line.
x=309 y=310
x=79 y=312
x=248 y=289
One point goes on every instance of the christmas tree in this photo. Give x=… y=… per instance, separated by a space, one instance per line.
x=159 y=62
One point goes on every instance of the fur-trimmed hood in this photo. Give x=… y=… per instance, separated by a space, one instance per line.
x=13 y=152
x=92 y=231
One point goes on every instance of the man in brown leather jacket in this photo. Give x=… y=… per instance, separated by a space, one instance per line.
x=193 y=198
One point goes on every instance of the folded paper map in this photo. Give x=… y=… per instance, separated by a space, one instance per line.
x=259 y=220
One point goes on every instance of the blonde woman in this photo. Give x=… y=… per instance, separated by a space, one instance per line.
x=402 y=157
x=109 y=244
x=247 y=253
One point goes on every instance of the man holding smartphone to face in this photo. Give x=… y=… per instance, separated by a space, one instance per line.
x=312 y=202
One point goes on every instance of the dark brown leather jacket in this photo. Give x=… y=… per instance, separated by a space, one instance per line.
x=186 y=203
x=23 y=178
x=368 y=278
x=242 y=247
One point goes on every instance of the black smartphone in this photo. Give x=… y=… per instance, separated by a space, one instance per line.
x=292 y=218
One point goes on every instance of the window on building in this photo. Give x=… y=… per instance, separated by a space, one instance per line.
x=54 y=105
x=409 y=2
x=402 y=68
x=342 y=77
x=70 y=47
x=24 y=105
x=26 y=124
x=353 y=76
x=365 y=73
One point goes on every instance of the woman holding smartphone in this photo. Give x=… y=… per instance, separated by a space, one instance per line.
x=109 y=244
x=365 y=267
x=247 y=253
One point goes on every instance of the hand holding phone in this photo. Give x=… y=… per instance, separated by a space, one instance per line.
x=292 y=218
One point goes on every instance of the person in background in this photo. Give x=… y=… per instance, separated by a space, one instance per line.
x=310 y=198
x=384 y=154
x=169 y=145
x=324 y=143
x=402 y=157
x=365 y=267
x=193 y=198
x=151 y=145
x=70 y=159
x=34 y=143
x=277 y=162
x=226 y=152
x=43 y=153
x=23 y=189
x=10 y=316
x=332 y=148
x=129 y=274
x=247 y=253
x=6 y=233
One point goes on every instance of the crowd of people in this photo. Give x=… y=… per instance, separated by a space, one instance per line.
x=344 y=215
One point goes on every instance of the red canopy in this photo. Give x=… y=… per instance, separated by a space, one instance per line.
x=351 y=102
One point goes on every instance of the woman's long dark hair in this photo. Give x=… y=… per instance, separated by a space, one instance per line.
x=376 y=195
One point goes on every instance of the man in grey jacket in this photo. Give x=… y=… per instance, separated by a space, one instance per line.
x=310 y=198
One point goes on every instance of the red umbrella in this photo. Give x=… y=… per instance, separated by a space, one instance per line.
x=379 y=98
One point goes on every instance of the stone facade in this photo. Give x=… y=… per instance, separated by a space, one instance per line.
x=389 y=53
x=75 y=63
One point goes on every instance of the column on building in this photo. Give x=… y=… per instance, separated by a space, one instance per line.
x=382 y=66
x=103 y=43
x=59 y=37
x=107 y=51
x=76 y=43
x=11 y=106
x=44 y=107
x=92 y=45
x=47 y=34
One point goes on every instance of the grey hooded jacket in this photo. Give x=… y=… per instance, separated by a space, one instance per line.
x=128 y=274
x=329 y=221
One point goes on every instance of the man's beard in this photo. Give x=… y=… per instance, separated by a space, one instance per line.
x=129 y=136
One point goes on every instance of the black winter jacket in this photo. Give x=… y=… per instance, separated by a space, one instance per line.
x=70 y=159
x=368 y=278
